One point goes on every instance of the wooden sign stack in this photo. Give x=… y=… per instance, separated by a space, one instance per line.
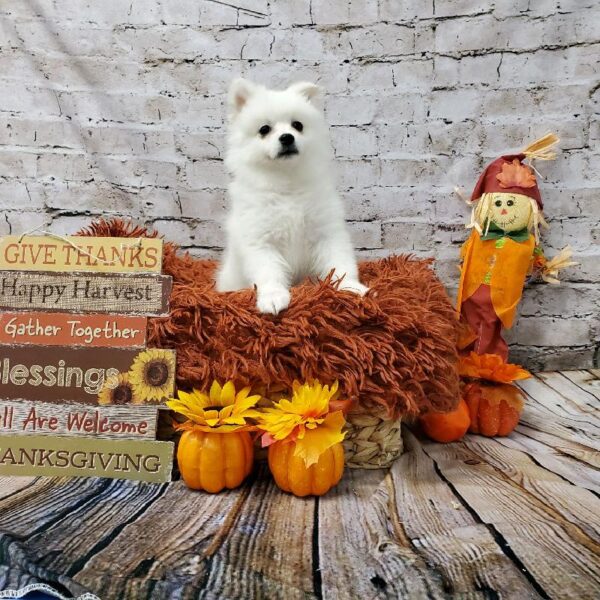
x=79 y=390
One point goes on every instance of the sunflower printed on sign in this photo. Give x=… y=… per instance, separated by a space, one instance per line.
x=152 y=374
x=117 y=390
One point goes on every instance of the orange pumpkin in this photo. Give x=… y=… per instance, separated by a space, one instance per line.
x=494 y=409
x=448 y=426
x=292 y=475
x=212 y=461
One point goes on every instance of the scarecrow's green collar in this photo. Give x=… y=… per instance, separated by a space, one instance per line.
x=494 y=232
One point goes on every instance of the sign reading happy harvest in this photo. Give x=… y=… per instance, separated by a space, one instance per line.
x=129 y=294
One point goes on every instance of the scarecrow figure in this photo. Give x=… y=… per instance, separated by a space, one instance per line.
x=501 y=253
x=503 y=248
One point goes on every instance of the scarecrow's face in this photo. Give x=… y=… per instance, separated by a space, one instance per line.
x=510 y=212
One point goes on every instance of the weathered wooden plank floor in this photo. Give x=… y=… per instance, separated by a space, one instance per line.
x=517 y=517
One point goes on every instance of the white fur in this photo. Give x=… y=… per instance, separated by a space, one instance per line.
x=286 y=220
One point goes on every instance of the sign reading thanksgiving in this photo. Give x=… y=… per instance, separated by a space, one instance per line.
x=87 y=375
x=50 y=456
x=75 y=253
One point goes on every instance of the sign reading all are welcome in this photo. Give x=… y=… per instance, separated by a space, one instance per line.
x=80 y=253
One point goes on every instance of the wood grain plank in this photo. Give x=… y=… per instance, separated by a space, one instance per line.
x=554 y=460
x=571 y=448
x=573 y=504
x=65 y=545
x=562 y=409
x=563 y=397
x=36 y=506
x=586 y=380
x=451 y=539
x=575 y=398
x=361 y=553
x=52 y=550
x=560 y=556
x=562 y=429
x=167 y=550
x=11 y=485
x=269 y=552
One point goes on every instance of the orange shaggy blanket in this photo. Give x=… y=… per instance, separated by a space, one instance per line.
x=394 y=349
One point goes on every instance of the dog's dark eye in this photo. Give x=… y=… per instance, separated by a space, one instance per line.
x=510 y=202
x=498 y=203
x=264 y=130
x=297 y=126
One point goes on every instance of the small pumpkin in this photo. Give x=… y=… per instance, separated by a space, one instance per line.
x=212 y=461
x=292 y=475
x=449 y=426
x=494 y=409
x=215 y=451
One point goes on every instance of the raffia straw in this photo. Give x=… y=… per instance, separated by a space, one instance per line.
x=542 y=148
x=561 y=261
x=136 y=244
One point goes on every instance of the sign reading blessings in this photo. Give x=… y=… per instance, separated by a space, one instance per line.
x=87 y=375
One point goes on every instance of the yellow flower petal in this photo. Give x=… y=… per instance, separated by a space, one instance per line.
x=316 y=441
x=228 y=394
x=221 y=410
x=215 y=394
x=201 y=398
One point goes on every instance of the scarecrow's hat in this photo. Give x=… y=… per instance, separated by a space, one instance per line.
x=508 y=174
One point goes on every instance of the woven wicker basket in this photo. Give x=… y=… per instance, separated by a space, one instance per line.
x=372 y=442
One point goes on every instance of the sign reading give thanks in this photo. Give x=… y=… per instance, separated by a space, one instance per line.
x=75 y=253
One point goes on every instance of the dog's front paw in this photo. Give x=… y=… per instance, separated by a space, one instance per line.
x=354 y=286
x=272 y=300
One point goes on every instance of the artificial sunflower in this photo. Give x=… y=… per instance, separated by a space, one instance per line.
x=117 y=390
x=152 y=374
x=305 y=419
x=490 y=367
x=222 y=410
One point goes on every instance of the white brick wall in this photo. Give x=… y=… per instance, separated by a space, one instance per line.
x=116 y=108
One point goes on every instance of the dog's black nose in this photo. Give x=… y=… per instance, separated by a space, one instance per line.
x=287 y=139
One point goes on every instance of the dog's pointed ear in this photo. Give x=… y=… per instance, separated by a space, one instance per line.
x=311 y=91
x=240 y=91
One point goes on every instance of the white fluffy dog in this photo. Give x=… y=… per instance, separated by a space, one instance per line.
x=286 y=220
